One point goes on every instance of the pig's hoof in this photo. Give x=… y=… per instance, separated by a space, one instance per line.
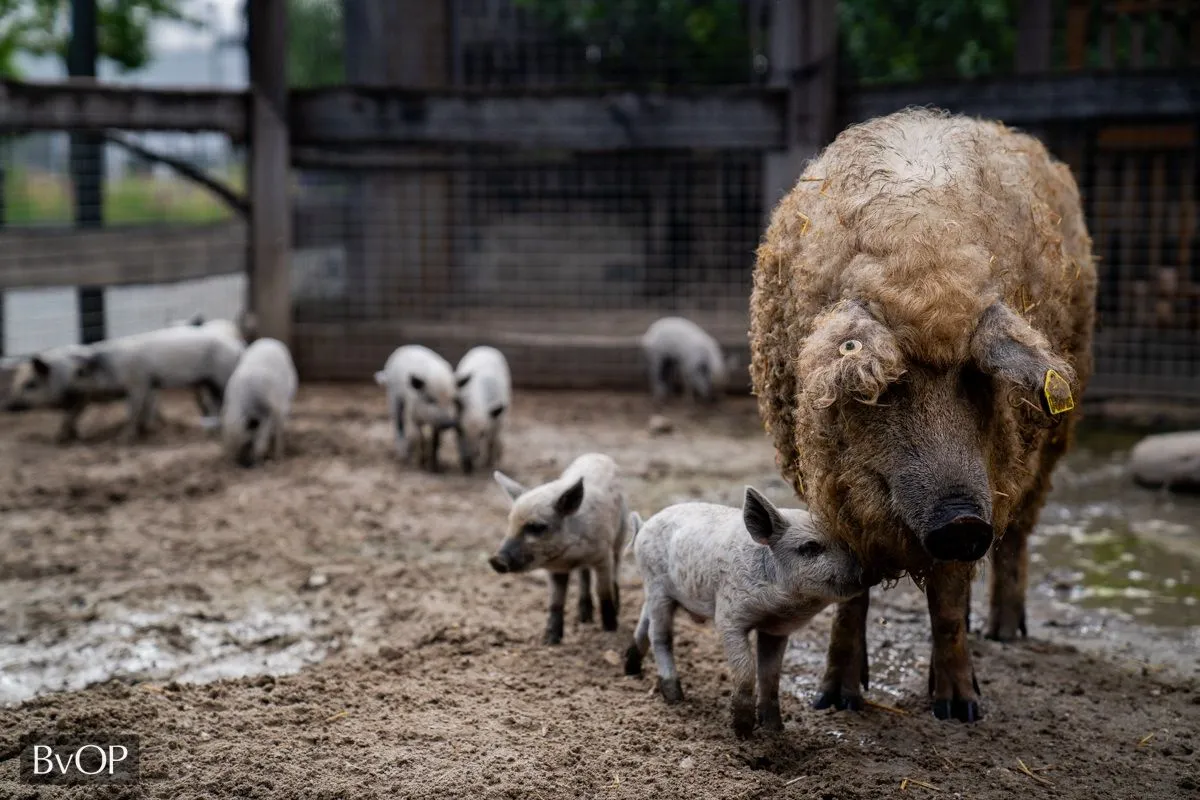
x=743 y=721
x=770 y=719
x=961 y=710
x=836 y=699
x=633 y=660
x=1006 y=627
x=608 y=614
x=671 y=691
x=552 y=637
x=587 y=612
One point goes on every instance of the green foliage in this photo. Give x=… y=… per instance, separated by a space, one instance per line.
x=315 y=43
x=42 y=27
x=904 y=40
x=654 y=41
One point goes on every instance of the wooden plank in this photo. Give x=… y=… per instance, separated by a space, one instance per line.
x=42 y=257
x=268 y=170
x=1137 y=42
x=1043 y=99
x=1077 y=24
x=723 y=118
x=86 y=105
x=1135 y=310
x=1035 y=27
x=1148 y=137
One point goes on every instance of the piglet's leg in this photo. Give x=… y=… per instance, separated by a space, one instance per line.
x=770 y=664
x=558 y=601
x=741 y=667
x=606 y=588
x=952 y=685
x=846 y=661
x=586 y=609
x=662 y=641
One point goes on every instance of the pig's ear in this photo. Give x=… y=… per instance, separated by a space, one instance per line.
x=849 y=354
x=1007 y=347
x=40 y=366
x=462 y=380
x=511 y=488
x=762 y=518
x=570 y=500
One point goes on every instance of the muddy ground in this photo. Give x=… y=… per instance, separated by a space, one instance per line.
x=385 y=659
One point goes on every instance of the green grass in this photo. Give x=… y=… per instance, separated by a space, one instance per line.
x=39 y=198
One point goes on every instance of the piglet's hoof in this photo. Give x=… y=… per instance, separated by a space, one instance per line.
x=770 y=719
x=633 y=660
x=552 y=636
x=961 y=710
x=836 y=699
x=672 y=692
x=743 y=720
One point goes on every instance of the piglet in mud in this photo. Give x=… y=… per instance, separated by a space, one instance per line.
x=577 y=522
x=683 y=358
x=421 y=392
x=258 y=400
x=482 y=403
x=759 y=568
x=61 y=378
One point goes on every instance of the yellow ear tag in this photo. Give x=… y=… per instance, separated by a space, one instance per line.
x=1058 y=393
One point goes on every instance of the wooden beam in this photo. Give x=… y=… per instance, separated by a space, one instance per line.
x=87 y=105
x=1043 y=99
x=231 y=198
x=750 y=119
x=270 y=209
x=122 y=255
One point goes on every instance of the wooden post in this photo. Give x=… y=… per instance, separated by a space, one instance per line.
x=802 y=57
x=1035 y=28
x=270 y=238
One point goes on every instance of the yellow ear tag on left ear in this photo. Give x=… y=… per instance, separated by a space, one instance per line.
x=1058 y=393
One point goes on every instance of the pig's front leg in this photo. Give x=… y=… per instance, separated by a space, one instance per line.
x=770 y=664
x=741 y=667
x=558 y=601
x=586 y=609
x=952 y=685
x=846 y=661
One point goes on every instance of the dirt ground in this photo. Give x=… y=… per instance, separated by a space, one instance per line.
x=385 y=659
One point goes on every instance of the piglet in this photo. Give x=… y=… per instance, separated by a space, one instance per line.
x=258 y=399
x=422 y=393
x=576 y=522
x=482 y=405
x=759 y=569
x=683 y=358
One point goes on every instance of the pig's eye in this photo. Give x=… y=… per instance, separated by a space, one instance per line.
x=810 y=549
x=850 y=347
x=534 y=528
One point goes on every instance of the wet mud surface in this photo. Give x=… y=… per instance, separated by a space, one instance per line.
x=328 y=627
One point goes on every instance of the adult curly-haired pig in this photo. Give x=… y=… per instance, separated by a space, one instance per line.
x=757 y=568
x=422 y=393
x=683 y=358
x=62 y=378
x=258 y=399
x=921 y=327
x=576 y=522
x=483 y=403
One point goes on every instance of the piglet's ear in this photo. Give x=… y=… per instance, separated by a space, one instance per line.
x=1007 y=347
x=462 y=380
x=511 y=488
x=762 y=518
x=570 y=500
x=40 y=366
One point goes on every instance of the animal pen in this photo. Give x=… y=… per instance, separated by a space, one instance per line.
x=484 y=179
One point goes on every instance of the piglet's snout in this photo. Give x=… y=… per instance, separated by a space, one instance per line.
x=499 y=564
x=958 y=531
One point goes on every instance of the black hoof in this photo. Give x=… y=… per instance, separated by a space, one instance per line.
x=839 y=701
x=671 y=691
x=608 y=614
x=633 y=661
x=961 y=710
x=552 y=637
x=770 y=719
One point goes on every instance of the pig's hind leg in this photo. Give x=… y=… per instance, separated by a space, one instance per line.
x=641 y=642
x=662 y=641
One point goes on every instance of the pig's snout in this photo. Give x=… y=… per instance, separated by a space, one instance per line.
x=16 y=405
x=958 y=531
x=499 y=564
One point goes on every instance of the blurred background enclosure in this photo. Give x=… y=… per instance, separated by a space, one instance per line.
x=548 y=176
